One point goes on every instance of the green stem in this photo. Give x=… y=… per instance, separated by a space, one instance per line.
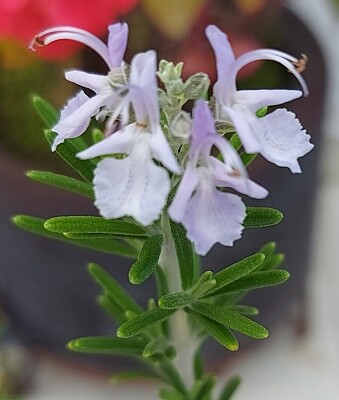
x=179 y=328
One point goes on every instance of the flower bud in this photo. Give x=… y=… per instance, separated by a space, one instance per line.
x=169 y=72
x=196 y=86
x=181 y=125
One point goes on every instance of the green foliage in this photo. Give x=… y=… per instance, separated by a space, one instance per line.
x=94 y=225
x=231 y=319
x=147 y=261
x=185 y=254
x=68 y=151
x=46 y=111
x=63 y=182
x=175 y=300
x=159 y=346
x=121 y=298
x=107 y=345
x=260 y=217
x=230 y=388
x=142 y=322
x=235 y=272
x=37 y=226
x=221 y=333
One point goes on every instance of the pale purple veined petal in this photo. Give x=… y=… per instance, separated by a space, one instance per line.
x=224 y=58
x=235 y=179
x=213 y=217
x=282 y=139
x=161 y=151
x=119 y=142
x=143 y=85
x=85 y=111
x=188 y=184
x=95 y=82
x=117 y=43
x=49 y=36
x=256 y=99
x=203 y=130
x=134 y=186
x=76 y=116
x=244 y=121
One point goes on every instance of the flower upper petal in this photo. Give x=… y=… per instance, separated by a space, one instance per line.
x=117 y=43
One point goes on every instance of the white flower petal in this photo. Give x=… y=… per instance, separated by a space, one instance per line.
x=243 y=121
x=256 y=99
x=119 y=142
x=283 y=140
x=76 y=122
x=161 y=151
x=95 y=82
x=184 y=192
x=134 y=186
x=213 y=217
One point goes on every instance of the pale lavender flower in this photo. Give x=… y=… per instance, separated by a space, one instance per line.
x=76 y=115
x=279 y=137
x=135 y=185
x=210 y=215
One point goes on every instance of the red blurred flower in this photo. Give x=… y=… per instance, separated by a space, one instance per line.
x=22 y=19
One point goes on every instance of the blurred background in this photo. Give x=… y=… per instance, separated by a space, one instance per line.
x=46 y=296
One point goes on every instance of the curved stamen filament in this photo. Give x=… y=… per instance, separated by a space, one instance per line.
x=49 y=36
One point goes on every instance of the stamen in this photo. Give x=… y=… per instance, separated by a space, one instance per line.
x=301 y=64
x=36 y=42
x=142 y=125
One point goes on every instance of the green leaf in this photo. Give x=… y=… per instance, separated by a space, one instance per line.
x=230 y=388
x=174 y=300
x=107 y=345
x=156 y=346
x=36 y=225
x=247 y=159
x=198 y=364
x=262 y=112
x=170 y=394
x=231 y=319
x=268 y=249
x=185 y=254
x=133 y=375
x=143 y=321
x=46 y=111
x=244 y=310
x=202 y=388
x=112 y=308
x=63 y=182
x=256 y=280
x=260 y=217
x=89 y=224
x=236 y=271
x=110 y=285
x=218 y=331
x=68 y=151
x=147 y=261
x=175 y=378
x=274 y=261
x=204 y=284
x=235 y=142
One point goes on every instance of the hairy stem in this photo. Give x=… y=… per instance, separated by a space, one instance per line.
x=180 y=331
